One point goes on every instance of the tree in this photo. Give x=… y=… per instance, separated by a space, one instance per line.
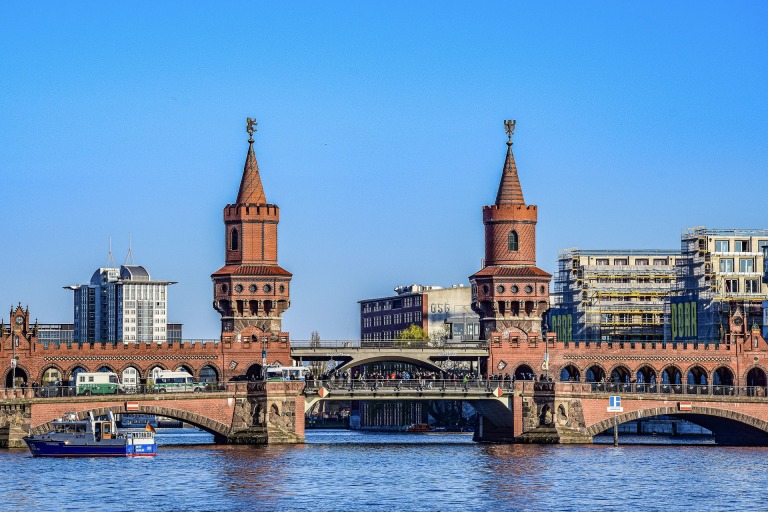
x=412 y=335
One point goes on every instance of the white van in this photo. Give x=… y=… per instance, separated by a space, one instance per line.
x=99 y=383
x=175 y=382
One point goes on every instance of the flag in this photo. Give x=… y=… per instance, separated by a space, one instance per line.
x=150 y=428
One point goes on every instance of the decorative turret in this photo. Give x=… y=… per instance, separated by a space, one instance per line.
x=251 y=291
x=510 y=293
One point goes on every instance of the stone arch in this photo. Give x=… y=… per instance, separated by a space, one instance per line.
x=562 y=415
x=21 y=375
x=696 y=380
x=729 y=427
x=154 y=368
x=570 y=372
x=274 y=413
x=106 y=368
x=44 y=379
x=646 y=377
x=722 y=380
x=671 y=379
x=219 y=430
x=73 y=368
x=185 y=367
x=756 y=380
x=595 y=372
x=209 y=373
x=545 y=416
x=131 y=381
x=620 y=373
x=524 y=371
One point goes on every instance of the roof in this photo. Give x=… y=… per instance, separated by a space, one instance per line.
x=510 y=192
x=251 y=190
x=134 y=273
x=252 y=270
x=512 y=272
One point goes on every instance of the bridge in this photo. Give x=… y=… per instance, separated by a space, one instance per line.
x=236 y=413
x=570 y=412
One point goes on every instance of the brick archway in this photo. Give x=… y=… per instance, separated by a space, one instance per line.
x=695 y=416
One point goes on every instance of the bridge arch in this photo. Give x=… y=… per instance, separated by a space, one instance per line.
x=48 y=374
x=646 y=374
x=219 y=430
x=74 y=369
x=620 y=373
x=671 y=374
x=729 y=427
x=722 y=376
x=389 y=358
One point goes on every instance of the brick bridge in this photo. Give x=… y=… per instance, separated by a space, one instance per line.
x=243 y=413
x=570 y=412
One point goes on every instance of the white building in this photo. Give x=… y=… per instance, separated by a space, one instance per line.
x=122 y=304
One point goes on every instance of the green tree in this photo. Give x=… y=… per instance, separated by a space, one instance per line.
x=411 y=336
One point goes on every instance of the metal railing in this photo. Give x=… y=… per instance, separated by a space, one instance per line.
x=679 y=389
x=483 y=386
x=418 y=344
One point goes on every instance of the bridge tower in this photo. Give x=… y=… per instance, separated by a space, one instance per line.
x=251 y=291
x=510 y=293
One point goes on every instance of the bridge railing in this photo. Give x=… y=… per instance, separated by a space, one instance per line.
x=420 y=344
x=30 y=392
x=457 y=385
x=678 y=389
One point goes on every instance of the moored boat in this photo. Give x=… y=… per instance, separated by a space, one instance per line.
x=72 y=437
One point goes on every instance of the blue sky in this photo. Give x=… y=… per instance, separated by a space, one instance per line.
x=380 y=137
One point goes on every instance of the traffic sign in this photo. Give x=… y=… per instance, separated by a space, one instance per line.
x=614 y=404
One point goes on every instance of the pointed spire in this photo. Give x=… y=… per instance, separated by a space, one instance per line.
x=510 y=191
x=251 y=190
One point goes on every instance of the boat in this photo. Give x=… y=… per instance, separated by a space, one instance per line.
x=72 y=437
x=418 y=427
x=137 y=420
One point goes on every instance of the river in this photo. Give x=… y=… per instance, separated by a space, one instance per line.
x=350 y=471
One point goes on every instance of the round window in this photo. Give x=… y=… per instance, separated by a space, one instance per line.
x=239 y=288
x=500 y=289
x=252 y=288
x=528 y=289
x=515 y=289
x=267 y=288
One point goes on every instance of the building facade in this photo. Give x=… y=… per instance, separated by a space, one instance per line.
x=721 y=285
x=443 y=313
x=612 y=294
x=121 y=305
x=510 y=293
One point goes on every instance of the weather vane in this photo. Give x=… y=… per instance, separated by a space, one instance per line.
x=509 y=127
x=250 y=127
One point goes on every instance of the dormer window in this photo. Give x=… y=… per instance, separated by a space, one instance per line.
x=512 y=242
x=234 y=240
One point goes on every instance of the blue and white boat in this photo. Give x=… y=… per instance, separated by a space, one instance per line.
x=71 y=437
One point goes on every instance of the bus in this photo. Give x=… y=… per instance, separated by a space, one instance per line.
x=176 y=382
x=283 y=373
x=99 y=383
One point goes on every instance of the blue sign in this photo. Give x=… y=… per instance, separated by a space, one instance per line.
x=614 y=401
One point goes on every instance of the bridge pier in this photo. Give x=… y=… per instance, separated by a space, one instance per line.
x=272 y=412
x=14 y=424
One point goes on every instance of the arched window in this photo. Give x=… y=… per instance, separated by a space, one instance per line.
x=234 y=242
x=512 y=242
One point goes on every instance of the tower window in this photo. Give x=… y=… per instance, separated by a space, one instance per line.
x=512 y=242
x=234 y=242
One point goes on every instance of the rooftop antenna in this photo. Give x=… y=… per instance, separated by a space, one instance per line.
x=129 y=257
x=110 y=259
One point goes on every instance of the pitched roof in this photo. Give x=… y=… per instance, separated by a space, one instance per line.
x=252 y=270
x=251 y=190
x=512 y=272
x=510 y=191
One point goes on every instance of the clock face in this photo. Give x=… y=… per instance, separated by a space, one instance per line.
x=19 y=320
x=738 y=320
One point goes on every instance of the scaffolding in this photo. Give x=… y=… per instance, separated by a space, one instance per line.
x=615 y=294
x=720 y=289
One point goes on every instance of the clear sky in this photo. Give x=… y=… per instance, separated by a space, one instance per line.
x=380 y=137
